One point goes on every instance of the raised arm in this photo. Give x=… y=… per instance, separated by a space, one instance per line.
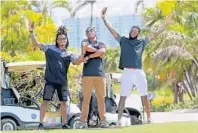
x=86 y=47
x=98 y=53
x=160 y=29
x=108 y=25
x=33 y=38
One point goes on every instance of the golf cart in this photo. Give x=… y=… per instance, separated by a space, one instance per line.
x=19 y=112
x=132 y=114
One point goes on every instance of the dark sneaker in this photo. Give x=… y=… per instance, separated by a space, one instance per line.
x=103 y=124
x=40 y=126
x=65 y=126
x=83 y=124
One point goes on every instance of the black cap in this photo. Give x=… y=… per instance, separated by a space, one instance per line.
x=89 y=29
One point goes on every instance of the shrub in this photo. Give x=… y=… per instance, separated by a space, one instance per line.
x=163 y=104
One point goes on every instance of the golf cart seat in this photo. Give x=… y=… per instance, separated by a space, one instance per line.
x=16 y=95
x=9 y=96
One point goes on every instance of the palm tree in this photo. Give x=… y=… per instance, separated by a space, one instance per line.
x=81 y=4
x=45 y=7
x=12 y=30
x=138 y=3
x=40 y=6
x=176 y=48
x=175 y=51
x=111 y=60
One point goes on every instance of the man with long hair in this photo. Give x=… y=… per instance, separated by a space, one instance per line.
x=58 y=59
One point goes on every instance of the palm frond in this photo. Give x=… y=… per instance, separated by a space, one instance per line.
x=77 y=8
x=138 y=3
x=172 y=51
x=63 y=4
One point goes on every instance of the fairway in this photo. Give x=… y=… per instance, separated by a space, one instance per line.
x=176 y=127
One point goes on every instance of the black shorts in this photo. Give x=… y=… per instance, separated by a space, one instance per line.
x=49 y=90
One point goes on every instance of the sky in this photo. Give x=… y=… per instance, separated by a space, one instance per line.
x=115 y=7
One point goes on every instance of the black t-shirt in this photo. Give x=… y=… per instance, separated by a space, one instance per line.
x=94 y=66
x=131 y=52
x=57 y=63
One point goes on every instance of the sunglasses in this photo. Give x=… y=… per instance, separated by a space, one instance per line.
x=60 y=39
x=91 y=30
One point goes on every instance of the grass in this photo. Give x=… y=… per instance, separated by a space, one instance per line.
x=116 y=89
x=176 y=127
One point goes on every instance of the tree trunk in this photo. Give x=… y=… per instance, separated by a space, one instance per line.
x=194 y=69
x=190 y=83
x=91 y=20
x=186 y=88
x=175 y=94
x=195 y=86
x=195 y=61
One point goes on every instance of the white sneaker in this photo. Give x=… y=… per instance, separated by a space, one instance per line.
x=82 y=124
x=149 y=121
x=104 y=124
x=119 y=124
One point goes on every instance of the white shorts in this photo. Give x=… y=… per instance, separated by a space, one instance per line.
x=131 y=77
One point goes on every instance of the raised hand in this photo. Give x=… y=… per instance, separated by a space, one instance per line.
x=31 y=25
x=168 y=19
x=103 y=12
x=86 y=59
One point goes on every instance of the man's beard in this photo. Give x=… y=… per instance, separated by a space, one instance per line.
x=132 y=38
x=92 y=38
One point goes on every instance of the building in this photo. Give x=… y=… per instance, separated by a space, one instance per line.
x=76 y=28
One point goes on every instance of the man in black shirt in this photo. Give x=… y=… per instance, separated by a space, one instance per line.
x=58 y=59
x=132 y=48
x=93 y=75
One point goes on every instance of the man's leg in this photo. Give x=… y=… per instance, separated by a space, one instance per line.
x=141 y=84
x=147 y=107
x=87 y=84
x=125 y=91
x=121 y=106
x=64 y=112
x=43 y=110
x=99 y=84
x=47 y=96
x=62 y=91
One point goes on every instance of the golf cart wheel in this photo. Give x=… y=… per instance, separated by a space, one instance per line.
x=8 y=125
x=75 y=122
x=135 y=120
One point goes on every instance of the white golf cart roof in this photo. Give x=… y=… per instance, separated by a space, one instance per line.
x=28 y=65
x=24 y=66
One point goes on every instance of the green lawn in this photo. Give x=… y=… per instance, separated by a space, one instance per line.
x=116 y=89
x=177 y=127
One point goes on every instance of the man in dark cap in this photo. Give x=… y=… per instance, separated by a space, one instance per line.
x=93 y=75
